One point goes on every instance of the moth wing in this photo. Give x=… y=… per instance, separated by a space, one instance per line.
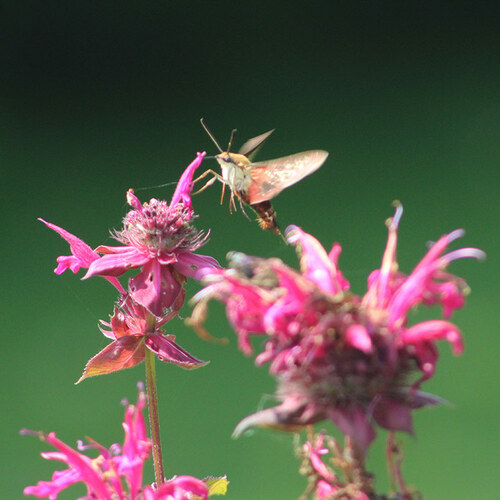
x=270 y=177
x=250 y=148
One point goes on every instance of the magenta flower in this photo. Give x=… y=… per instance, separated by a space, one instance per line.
x=353 y=360
x=117 y=473
x=159 y=239
x=156 y=237
x=323 y=481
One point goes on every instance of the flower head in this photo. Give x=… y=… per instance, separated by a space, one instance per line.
x=353 y=360
x=116 y=473
x=160 y=240
x=156 y=237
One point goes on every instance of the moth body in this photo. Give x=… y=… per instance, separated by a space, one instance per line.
x=255 y=183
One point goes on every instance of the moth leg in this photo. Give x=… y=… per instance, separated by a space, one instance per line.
x=208 y=172
x=222 y=193
x=232 y=205
x=242 y=206
x=215 y=177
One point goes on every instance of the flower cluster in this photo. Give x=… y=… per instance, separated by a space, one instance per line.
x=159 y=239
x=353 y=360
x=324 y=483
x=117 y=473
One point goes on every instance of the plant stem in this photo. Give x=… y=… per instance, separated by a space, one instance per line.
x=154 y=420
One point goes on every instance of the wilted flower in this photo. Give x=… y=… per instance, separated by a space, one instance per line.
x=116 y=473
x=156 y=237
x=133 y=329
x=353 y=360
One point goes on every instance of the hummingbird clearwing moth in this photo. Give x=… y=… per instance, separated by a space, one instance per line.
x=255 y=183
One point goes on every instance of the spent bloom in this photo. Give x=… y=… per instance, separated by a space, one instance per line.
x=354 y=360
x=117 y=473
x=133 y=329
x=156 y=237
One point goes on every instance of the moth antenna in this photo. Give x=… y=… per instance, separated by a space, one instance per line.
x=231 y=140
x=210 y=135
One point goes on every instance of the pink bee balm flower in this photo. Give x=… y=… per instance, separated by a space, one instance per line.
x=157 y=238
x=353 y=360
x=117 y=473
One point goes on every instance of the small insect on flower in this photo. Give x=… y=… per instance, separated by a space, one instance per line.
x=254 y=184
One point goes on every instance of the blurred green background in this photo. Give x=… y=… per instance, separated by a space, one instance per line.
x=98 y=96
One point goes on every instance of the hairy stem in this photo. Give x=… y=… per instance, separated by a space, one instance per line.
x=154 y=420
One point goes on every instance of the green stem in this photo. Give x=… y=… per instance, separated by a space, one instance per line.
x=154 y=420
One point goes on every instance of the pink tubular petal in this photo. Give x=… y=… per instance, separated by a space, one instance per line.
x=185 y=184
x=379 y=282
x=170 y=352
x=334 y=257
x=133 y=201
x=50 y=489
x=115 y=264
x=358 y=337
x=82 y=254
x=193 y=265
x=420 y=281
x=83 y=464
x=430 y=331
x=314 y=261
x=136 y=446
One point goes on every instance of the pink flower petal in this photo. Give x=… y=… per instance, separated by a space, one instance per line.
x=115 y=264
x=133 y=201
x=430 y=331
x=82 y=254
x=358 y=337
x=193 y=265
x=155 y=287
x=314 y=261
x=185 y=184
x=78 y=462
